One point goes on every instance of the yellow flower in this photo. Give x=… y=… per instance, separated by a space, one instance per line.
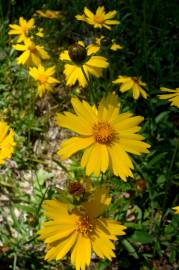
x=32 y=53
x=173 y=97
x=100 y=42
x=105 y=134
x=132 y=83
x=115 y=46
x=40 y=32
x=82 y=231
x=44 y=78
x=7 y=143
x=22 y=30
x=176 y=208
x=91 y=64
x=99 y=19
x=50 y=14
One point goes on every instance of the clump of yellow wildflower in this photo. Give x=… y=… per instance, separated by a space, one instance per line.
x=80 y=63
x=132 y=83
x=44 y=78
x=99 y=19
x=81 y=231
x=7 y=142
x=172 y=96
x=105 y=134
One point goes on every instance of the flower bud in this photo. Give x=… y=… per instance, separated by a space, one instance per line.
x=77 y=53
x=141 y=184
x=76 y=189
x=106 y=41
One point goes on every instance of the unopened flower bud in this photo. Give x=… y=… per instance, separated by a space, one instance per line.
x=77 y=53
x=106 y=41
x=76 y=189
x=141 y=184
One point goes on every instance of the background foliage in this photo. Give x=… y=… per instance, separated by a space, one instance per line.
x=149 y=34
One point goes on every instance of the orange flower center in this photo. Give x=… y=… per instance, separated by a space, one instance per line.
x=99 y=19
x=42 y=78
x=103 y=133
x=84 y=225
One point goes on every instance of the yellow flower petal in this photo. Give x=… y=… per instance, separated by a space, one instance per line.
x=98 y=202
x=71 y=146
x=23 y=58
x=7 y=142
x=84 y=110
x=102 y=246
x=60 y=234
x=62 y=248
x=120 y=162
x=74 y=123
x=136 y=91
x=134 y=146
x=81 y=253
x=113 y=226
x=176 y=208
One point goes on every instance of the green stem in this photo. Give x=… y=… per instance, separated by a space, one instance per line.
x=15 y=261
x=32 y=101
x=168 y=184
x=32 y=105
x=174 y=155
x=61 y=165
x=92 y=95
x=39 y=207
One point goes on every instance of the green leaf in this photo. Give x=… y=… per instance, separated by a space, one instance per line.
x=156 y=159
x=161 y=116
x=142 y=236
x=102 y=265
x=130 y=248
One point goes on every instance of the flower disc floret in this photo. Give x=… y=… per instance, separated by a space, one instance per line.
x=103 y=133
x=84 y=226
